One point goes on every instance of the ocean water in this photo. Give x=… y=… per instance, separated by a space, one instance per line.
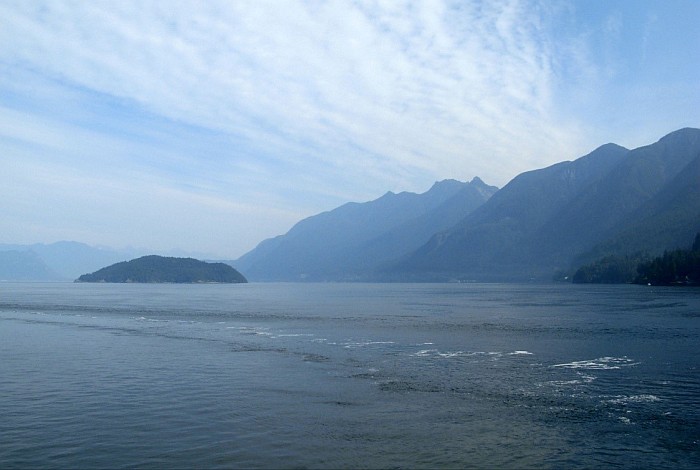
x=349 y=375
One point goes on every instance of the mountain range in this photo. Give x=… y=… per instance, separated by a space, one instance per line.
x=542 y=224
x=353 y=241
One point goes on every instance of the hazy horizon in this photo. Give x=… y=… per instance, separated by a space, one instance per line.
x=207 y=127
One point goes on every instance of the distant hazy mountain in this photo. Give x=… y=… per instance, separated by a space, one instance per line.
x=159 y=269
x=350 y=242
x=64 y=260
x=16 y=265
x=612 y=200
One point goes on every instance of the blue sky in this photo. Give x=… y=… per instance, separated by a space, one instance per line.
x=208 y=126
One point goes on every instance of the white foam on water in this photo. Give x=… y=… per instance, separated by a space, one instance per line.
x=255 y=331
x=262 y=333
x=559 y=383
x=625 y=399
x=437 y=353
x=425 y=352
x=520 y=353
x=601 y=363
x=583 y=379
x=360 y=344
x=153 y=320
x=454 y=354
x=450 y=354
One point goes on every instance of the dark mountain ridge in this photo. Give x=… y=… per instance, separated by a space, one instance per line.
x=626 y=195
x=543 y=221
x=497 y=240
x=665 y=220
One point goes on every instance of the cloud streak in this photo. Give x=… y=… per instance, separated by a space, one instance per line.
x=411 y=90
x=291 y=106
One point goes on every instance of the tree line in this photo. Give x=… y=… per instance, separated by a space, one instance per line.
x=676 y=267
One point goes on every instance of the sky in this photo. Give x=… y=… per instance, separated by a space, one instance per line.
x=208 y=126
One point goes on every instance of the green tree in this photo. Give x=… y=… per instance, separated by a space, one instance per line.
x=681 y=267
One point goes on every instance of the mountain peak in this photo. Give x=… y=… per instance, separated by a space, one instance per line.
x=447 y=184
x=476 y=181
x=455 y=185
x=683 y=131
x=682 y=136
x=610 y=146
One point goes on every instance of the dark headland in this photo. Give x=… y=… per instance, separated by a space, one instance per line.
x=159 y=269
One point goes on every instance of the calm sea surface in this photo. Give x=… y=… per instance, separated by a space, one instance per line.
x=349 y=375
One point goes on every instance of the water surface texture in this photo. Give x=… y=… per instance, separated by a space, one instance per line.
x=349 y=375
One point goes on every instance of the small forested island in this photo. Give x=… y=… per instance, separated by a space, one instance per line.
x=160 y=269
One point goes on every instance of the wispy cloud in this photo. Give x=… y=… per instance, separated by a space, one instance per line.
x=290 y=106
x=413 y=85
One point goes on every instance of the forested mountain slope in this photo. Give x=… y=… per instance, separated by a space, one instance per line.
x=545 y=220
